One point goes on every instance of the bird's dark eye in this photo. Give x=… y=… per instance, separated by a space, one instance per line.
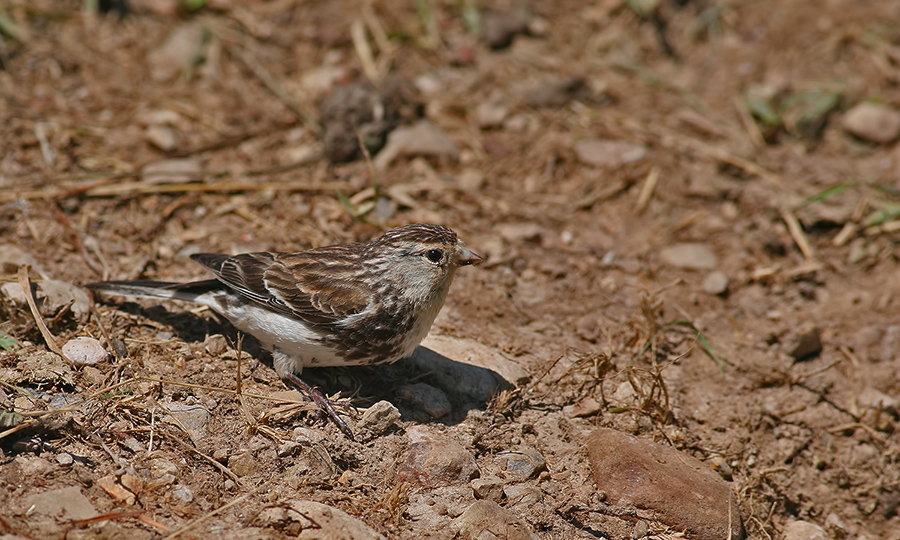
x=434 y=255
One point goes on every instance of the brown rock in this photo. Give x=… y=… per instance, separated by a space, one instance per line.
x=316 y=520
x=664 y=485
x=487 y=520
x=435 y=459
x=873 y=122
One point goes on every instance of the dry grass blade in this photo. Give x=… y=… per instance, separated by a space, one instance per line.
x=647 y=190
x=25 y=283
x=363 y=50
x=796 y=231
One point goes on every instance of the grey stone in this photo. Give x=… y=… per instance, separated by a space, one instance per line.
x=193 y=417
x=873 y=122
x=607 y=153
x=690 y=255
x=67 y=502
x=85 y=351
x=317 y=521
x=487 y=520
x=522 y=465
x=379 y=417
x=715 y=283
x=489 y=487
x=425 y=397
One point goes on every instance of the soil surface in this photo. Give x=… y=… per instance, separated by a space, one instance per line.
x=688 y=222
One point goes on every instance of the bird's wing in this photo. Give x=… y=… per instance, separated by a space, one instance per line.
x=316 y=286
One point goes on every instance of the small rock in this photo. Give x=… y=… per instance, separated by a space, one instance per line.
x=873 y=122
x=584 y=408
x=836 y=526
x=716 y=283
x=65 y=459
x=57 y=294
x=803 y=530
x=522 y=495
x=379 y=417
x=243 y=464
x=690 y=255
x=67 y=503
x=487 y=520
x=420 y=139
x=877 y=400
x=517 y=233
x=500 y=27
x=557 y=93
x=664 y=484
x=488 y=487
x=172 y=170
x=607 y=153
x=191 y=416
x=425 y=397
x=83 y=351
x=317 y=521
x=162 y=137
x=178 y=53
x=490 y=114
x=522 y=465
x=289 y=448
x=116 y=490
x=32 y=466
x=183 y=493
x=215 y=345
x=467 y=367
x=160 y=467
x=809 y=345
x=435 y=459
x=132 y=483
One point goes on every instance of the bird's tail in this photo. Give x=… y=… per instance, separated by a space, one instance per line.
x=156 y=289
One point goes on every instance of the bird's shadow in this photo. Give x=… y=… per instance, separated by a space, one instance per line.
x=465 y=386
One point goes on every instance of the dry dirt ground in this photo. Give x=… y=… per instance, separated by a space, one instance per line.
x=732 y=134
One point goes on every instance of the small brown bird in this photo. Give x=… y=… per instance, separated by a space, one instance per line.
x=342 y=305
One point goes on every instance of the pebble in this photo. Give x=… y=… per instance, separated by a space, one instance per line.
x=191 y=416
x=425 y=397
x=423 y=138
x=715 y=283
x=584 y=408
x=873 y=122
x=490 y=114
x=380 y=417
x=522 y=495
x=243 y=464
x=65 y=459
x=435 y=459
x=608 y=153
x=670 y=486
x=808 y=346
x=487 y=520
x=499 y=28
x=215 y=345
x=690 y=255
x=489 y=487
x=878 y=400
x=83 y=351
x=183 y=493
x=522 y=465
x=161 y=467
x=803 y=530
x=162 y=137
x=67 y=502
x=317 y=521
x=115 y=490
x=557 y=93
x=177 y=53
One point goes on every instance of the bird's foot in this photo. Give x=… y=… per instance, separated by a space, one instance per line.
x=326 y=406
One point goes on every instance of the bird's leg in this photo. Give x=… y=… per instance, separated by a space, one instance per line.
x=325 y=404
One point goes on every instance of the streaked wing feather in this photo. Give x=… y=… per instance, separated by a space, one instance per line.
x=305 y=285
